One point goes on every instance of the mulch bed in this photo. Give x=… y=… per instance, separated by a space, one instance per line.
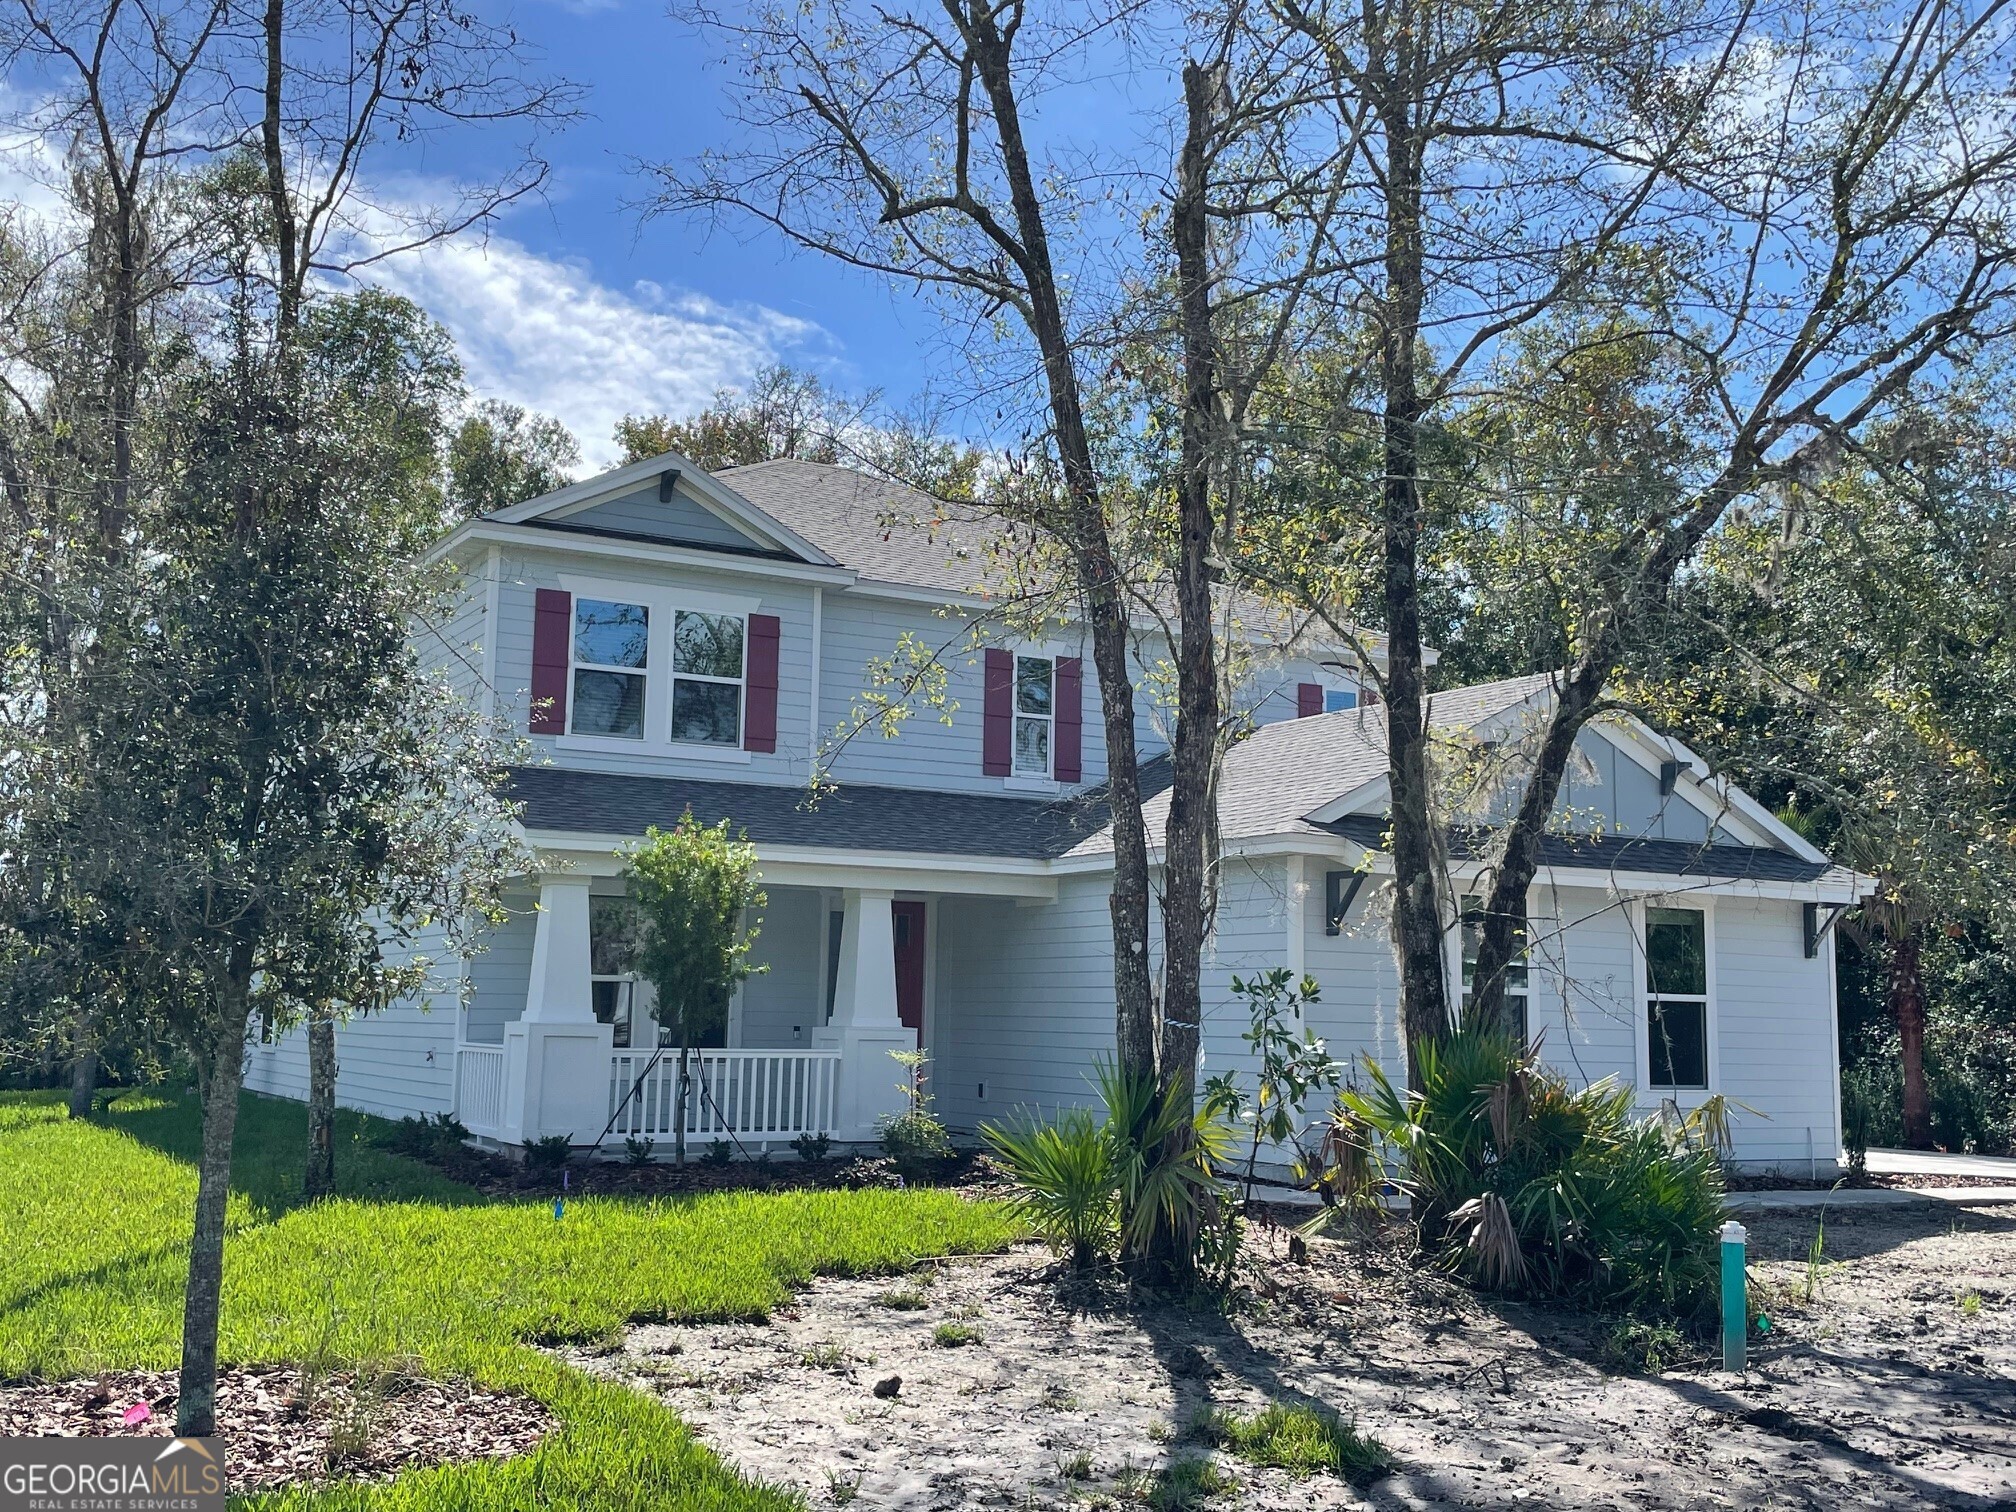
x=500 y=1176
x=277 y=1434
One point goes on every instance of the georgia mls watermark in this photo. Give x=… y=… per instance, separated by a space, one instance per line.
x=111 y=1475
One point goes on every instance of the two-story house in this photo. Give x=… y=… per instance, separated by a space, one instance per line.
x=672 y=640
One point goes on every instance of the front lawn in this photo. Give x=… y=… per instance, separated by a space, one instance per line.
x=95 y=1222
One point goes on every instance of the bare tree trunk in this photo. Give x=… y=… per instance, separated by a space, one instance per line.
x=319 y=1178
x=1907 y=1006
x=685 y=1091
x=202 y=1301
x=1090 y=544
x=1418 y=940
x=84 y=1064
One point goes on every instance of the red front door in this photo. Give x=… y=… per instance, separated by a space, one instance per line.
x=909 y=927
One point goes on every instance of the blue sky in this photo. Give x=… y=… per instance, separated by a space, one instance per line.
x=577 y=308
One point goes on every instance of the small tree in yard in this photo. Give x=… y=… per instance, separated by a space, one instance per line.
x=691 y=886
x=1291 y=1066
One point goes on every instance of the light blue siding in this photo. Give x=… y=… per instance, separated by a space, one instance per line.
x=1776 y=1032
x=501 y=973
x=782 y=1005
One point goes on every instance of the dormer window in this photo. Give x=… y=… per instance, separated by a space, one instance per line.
x=1035 y=714
x=707 y=676
x=611 y=654
x=1336 y=699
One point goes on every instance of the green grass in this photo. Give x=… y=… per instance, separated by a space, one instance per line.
x=403 y=1262
x=955 y=1335
x=1299 y=1438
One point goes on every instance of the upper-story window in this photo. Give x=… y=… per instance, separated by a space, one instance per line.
x=1676 y=998
x=612 y=647
x=1035 y=714
x=1337 y=699
x=707 y=677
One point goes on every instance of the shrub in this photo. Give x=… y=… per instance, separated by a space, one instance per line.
x=1300 y=1439
x=1104 y=1188
x=1525 y=1185
x=1067 y=1175
x=719 y=1152
x=637 y=1152
x=1187 y=1483
x=915 y=1139
x=955 y=1335
x=549 y=1153
x=426 y=1137
x=811 y=1147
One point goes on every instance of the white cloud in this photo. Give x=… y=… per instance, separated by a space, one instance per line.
x=545 y=334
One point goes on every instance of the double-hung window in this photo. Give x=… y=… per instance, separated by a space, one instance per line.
x=1035 y=714
x=611 y=970
x=1515 y=971
x=611 y=656
x=707 y=678
x=1676 y=998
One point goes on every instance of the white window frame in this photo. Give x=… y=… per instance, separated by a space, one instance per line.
x=1462 y=964
x=1682 y=1097
x=1015 y=716
x=740 y=683
x=1337 y=685
x=575 y=665
x=662 y=601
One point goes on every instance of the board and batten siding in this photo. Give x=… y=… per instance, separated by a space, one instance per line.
x=678 y=520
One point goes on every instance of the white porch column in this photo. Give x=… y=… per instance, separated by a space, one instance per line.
x=556 y=1056
x=865 y=1027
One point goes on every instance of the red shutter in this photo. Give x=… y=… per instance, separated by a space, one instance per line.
x=1068 y=757
x=759 y=718
x=551 y=624
x=1308 y=699
x=1367 y=697
x=997 y=724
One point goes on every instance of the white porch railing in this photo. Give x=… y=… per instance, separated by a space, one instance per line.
x=764 y=1094
x=479 y=1089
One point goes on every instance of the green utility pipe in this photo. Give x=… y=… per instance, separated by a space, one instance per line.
x=1735 y=1310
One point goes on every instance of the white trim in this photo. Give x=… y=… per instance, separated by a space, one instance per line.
x=928 y=1035
x=1295 y=880
x=1834 y=1042
x=812 y=696
x=1649 y=1096
x=702 y=487
x=531 y=536
x=493 y=572
x=810 y=866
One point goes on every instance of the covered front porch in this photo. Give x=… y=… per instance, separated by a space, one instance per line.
x=558 y=1037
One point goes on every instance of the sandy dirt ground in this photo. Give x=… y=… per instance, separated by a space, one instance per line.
x=1888 y=1379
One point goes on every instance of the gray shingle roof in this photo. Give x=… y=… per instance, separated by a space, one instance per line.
x=1625 y=853
x=881 y=529
x=856 y=817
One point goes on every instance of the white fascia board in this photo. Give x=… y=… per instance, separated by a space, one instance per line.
x=706 y=489
x=816 y=866
x=642 y=551
x=1367 y=797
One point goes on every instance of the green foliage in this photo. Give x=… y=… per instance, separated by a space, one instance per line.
x=504 y=454
x=637 y=1152
x=406 y=1263
x=1525 y=1185
x=951 y=1335
x=916 y=1139
x=427 y=1136
x=719 y=1152
x=1292 y=1066
x=1184 y=1484
x=1098 y=1189
x=1636 y=1344
x=1301 y=1438
x=1067 y=1178
x=690 y=888
x=811 y=1147
x=549 y=1152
